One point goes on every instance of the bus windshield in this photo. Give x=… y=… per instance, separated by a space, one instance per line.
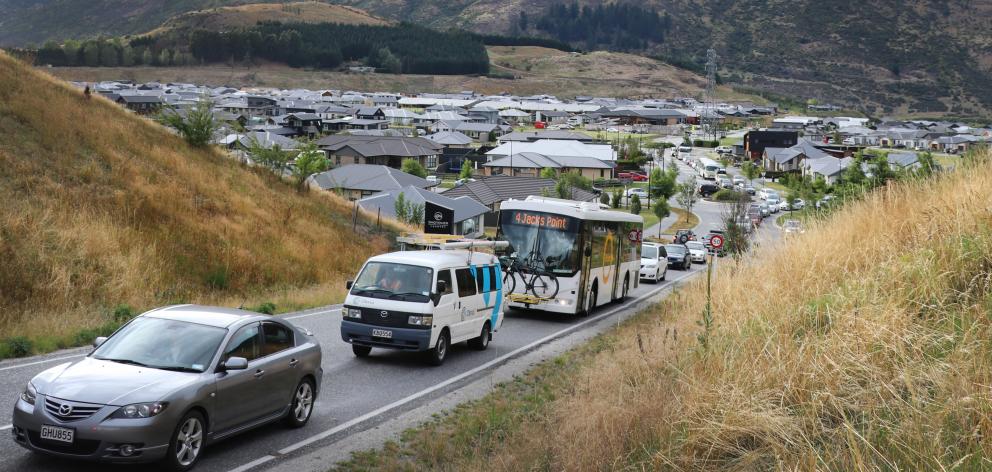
x=542 y=236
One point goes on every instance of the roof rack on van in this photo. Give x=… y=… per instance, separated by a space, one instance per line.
x=446 y=242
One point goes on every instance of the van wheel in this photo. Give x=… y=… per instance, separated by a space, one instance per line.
x=482 y=342
x=439 y=352
x=361 y=351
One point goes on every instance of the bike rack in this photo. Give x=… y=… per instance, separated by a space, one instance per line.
x=526 y=298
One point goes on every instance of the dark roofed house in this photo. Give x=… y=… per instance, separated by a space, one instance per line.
x=370 y=113
x=491 y=191
x=142 y=104
x=305 y=124
x=466 y=213
x=531 y=136
x=361 y=123
x=382 y=150
x=357 y=181
x=755 y=142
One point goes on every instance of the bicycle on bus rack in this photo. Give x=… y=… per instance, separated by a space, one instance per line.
x=536 y=274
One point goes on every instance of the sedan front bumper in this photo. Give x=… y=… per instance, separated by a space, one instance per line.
x=96 y=438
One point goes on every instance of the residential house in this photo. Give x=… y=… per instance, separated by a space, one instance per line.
x=141 y=104
x=442 y=214
x=829 y=168
x=531 y=136
x=553 y=147
x=357 y=181
x=382 y=150
x=370 y=113
x=491 y=191
x=790 y=159
x=530 y=164
x=363 y=124
x=484 y=114
x=755 y=142
x=305 y=124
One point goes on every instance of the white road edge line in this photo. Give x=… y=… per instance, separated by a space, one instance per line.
x=372 y=414
x=322 y=312
x=18 y=366
x=6 y=427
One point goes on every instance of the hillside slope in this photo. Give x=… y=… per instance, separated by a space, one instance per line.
x=104 y=208
x=225 y=18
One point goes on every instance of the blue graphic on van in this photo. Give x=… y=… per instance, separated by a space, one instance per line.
x=487 y=288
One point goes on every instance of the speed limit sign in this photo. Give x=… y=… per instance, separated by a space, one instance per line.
x=716 y=241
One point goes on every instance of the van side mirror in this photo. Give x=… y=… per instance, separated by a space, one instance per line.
x=442 y=286
x=98 y=341
x=235 y=363
x=348 y=284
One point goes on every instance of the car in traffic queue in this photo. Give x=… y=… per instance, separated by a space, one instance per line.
x=725 y=182
x=697 y=251
x=678 y=256
x=683 y=236
x=424 y=301
x=707 y=189
x=170 y=382
x=792 y=227
x=773 y=203
x=654 y=262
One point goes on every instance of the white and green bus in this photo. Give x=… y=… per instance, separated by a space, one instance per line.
x=594 y=252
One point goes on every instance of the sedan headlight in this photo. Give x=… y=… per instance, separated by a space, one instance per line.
x=30 y=394
x=420 y=320
x=353 y=313
x=649 y=266
x=140 y=410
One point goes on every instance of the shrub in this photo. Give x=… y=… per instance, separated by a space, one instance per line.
x=726 y=195
x=123 y=314
x=267 y=308
x=217 y=278
x=18 y=346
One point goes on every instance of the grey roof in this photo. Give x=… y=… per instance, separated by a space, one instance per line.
x=141 y=98
x=496 y=188
x=828 y=166
x=902 y=159
x=367 y=110
x=381 y=145
x=449 y=138
x=266 y=140
x=304 y=116
x=546 y=134
x=370 y=177
x=479 y=127
x=540 y=161
x=464 y=207
x=782 y=155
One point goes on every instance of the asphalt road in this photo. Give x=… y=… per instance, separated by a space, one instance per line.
x=356 y=394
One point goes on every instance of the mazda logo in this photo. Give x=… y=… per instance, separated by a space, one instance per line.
x=383 y=314
x=438 y=216
x=65 y=410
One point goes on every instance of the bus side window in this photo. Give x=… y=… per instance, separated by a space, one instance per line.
x=445 y=275
x=466 y=283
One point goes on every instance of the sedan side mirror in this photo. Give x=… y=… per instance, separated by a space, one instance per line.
x=98 y=341
x=348 y=284
x=235 y=363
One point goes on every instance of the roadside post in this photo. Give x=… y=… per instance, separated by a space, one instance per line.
x=716 y=242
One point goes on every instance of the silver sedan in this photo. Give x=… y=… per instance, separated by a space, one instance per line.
x=170 y=382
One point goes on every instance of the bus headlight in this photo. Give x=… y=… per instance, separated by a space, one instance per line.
x=353 y=313
x=563 y=302
x=420 y=320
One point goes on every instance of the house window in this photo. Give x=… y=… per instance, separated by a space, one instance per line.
x=431 y=162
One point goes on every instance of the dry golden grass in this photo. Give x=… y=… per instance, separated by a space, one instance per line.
x=101 y=208
x=863 y=344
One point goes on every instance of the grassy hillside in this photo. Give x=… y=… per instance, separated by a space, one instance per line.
x=104 y=208
x=863 y=344
x=225 y=18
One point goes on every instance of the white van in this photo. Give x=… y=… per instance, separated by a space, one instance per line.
x=424 y=301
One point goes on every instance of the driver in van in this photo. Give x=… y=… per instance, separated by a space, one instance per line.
x=390 y=281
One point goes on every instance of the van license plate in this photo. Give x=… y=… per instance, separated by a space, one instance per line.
x=55 y=433
x=382 y=333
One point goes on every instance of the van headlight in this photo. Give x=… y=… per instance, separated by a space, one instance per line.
x=30 y=394
x=420 y=320
x=140 y=410
x=353 y=313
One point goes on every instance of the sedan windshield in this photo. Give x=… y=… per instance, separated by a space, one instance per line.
x=163 y=344
x=649 y=252
x=394 y=281
x=696 y=245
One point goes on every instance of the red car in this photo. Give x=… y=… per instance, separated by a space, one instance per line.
x=634 y=176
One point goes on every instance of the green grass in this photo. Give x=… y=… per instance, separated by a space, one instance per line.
x=729 y=141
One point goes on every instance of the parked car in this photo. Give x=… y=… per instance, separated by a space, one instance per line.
x=683 y=236
x=685 y=148
x=708 y=189
x=724 y=149
x=634 y=176
x=433 y=179
x=170 y=382
x=654 y=262
x=460 y=182
x=640 y=192
x=697 y=251
x=678 y=256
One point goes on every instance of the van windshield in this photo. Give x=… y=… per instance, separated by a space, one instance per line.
x=394 y=281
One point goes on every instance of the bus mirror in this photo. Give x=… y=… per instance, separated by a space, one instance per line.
x=587 y=252
x=348 y=284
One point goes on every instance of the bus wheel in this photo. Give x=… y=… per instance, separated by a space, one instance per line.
x=590 y=302
x=623 y=291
